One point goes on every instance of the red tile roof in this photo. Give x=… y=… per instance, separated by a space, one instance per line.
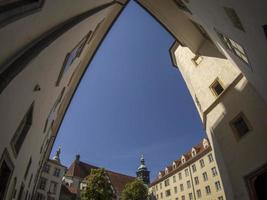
x=119 y=181
x=188 y=157
x=80 y=169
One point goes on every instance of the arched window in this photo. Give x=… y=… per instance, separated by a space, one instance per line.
x=205 y=143
x=193 y=152
x=183 y=159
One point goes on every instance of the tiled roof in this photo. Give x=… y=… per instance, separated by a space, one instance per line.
x=79 y=169
x=188 y=157
x=119 y=181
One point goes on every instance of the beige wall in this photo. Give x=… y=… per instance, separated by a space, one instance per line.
x=44 y=70
x=236 y=158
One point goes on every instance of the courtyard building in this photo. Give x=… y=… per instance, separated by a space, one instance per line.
x=46 y=46
x=193 y=176
x=49 y=184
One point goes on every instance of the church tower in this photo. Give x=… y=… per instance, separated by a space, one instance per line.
x=142 y=172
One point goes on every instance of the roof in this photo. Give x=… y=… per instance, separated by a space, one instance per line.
x=119 y=181
x=79 y=169
x=69 y=191
x=200 y=150
x=56 y=163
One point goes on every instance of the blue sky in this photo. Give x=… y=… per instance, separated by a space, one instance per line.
x=131 y=101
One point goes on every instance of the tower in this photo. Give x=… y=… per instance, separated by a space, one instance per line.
x=142 y=172
x=57 y=156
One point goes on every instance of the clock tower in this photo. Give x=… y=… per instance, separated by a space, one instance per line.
x=142 y=172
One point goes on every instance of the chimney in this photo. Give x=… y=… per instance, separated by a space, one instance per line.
x=77 y=158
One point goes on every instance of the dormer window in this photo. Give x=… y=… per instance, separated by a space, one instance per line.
x=166 y=170
x=183 y=159
x=174 y=165
x=205 y=143
x=193 y=152
x=160 y=175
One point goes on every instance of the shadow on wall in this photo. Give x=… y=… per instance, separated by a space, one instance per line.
x=238 y=155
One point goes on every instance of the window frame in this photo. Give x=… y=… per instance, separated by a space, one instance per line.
x=7 y=159
x=235 y=130
x=22 y=128
x=213 y=84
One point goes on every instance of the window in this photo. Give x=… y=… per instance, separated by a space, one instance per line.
x=210 y=157
x=208 y=190
x=6 y=170
x=186 y=172
x=240 y=125
x=40 y=196
x=202 y=164
x=182 y=6
x=196 y=180
x=174 y=179
x=53 y=187
x=199 y=194
x=205 y=176
x=71 y=56
x=180 y=175
x=214 y=171
x=166 y=182
x=46 y=168
x=42 y=184
x=11 y=10
x=156 y=187
x=57 y=172
x=22 y=131
x=21 y=191
x=27 y=168
x=188 y=184
x=194 y=169
x=216 y=87
x=168 y=193
x=220 y=198
x=183 y=197
x=160 y=185
x=161 y=195
x=181 y=187
x=265 y=30
x=175 y=189
x=232 y=15
x=190 y=196
x=218 y=185
x=233 y=46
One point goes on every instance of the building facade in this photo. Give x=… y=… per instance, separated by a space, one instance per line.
x=46 y=46
x=228 y=88
x=194 y=176
x=49 y=184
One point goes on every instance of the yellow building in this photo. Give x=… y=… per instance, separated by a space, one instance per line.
x=193 y=176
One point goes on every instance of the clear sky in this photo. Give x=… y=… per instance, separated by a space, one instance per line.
x=131 y=101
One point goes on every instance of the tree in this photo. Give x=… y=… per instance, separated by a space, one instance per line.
x=135 y=190
x=98 y=186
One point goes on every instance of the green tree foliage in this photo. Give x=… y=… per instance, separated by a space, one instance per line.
x=98 y=186
x=135 y=190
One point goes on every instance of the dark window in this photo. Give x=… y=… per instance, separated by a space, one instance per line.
x=46 y=168
x=42 y=184
x=71 y=56
x=11 y=10
x=22 y=130
x=57 y=172
x=216 y=87
x=168 y=193
x=21 y=191
x=234 y=47
x=230 y=12
x=208 y=190
x=240 y=125
x=6 y=169
x=28 y=167
x=265 y=30
x=182 y=6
